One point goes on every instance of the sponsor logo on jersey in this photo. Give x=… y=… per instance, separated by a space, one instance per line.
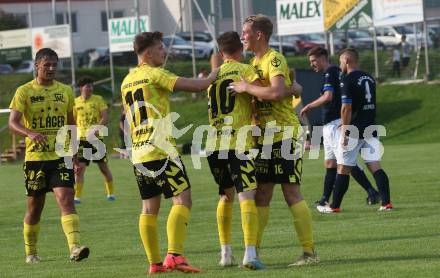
x=35 y=99
x=59 y=98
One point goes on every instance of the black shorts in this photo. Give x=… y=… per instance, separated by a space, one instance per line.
x=171 y=180
x=405 y=62
x=86 y=144
x=42 y=176
x=274 y=168
x=232 y=171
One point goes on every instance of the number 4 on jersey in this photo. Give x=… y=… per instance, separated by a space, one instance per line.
x=368 y=95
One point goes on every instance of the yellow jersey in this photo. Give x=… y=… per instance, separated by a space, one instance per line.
x=145 y=96
x=270 y=65
x=87 y=112
x=228 y=113
x=44 y=110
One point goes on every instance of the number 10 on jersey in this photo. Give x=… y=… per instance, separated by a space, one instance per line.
x=226 y=99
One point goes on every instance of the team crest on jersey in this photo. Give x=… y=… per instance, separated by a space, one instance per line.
x=275 y=62
x=259 y=72
x=59 y=97
x=327 y=75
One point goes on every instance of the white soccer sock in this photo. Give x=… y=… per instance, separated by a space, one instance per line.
x=250 y=253
x=226 y=249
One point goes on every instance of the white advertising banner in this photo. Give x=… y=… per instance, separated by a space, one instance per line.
x=122 y=31
x=392 y=12
x=56 y=37
x=299 y=17
x=15 y=38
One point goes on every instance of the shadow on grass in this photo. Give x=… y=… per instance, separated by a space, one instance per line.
x=406 y=131
x=390 y=111
x=374 y=240
x=380 y=259
x=349 y=262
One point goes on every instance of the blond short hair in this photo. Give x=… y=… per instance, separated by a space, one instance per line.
x=262 y=23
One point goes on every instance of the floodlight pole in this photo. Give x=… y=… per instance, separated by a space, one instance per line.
x=191 y=29
x=110 y=54
x=29 y=7
x=234 y=16
x=331 y=43
x=54 y=15
x=149 y=15
x=242 y=11
x=376 y=59
x=136 y=10
x=207 y=25
x=425 y=38
x=72 y=57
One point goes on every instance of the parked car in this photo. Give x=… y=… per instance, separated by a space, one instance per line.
x=434 y=34
x=305 y=42
x=26 y=66
x=180 y=48
x=359 y=39
x=94 y=57
x=6 y=69
x=288 y=47
x=202 y=40
x=392 y=36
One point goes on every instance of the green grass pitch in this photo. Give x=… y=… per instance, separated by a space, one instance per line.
x=360 y=242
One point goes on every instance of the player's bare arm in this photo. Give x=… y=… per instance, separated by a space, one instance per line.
x=17 y=127
x=103 y=121
x=276 y=91
x=195 y=85
x=325 y=98
x=296 y=89
x=345 y=121
x=104 y=117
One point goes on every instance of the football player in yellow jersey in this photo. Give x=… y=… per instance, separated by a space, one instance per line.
x=275 y=164
x=229 y=162
x=89 y=111
x=45 y=105
x=157 y=166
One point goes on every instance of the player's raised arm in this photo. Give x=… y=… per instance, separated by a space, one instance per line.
x=195 y=85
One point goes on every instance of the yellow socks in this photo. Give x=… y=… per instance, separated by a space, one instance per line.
x=249 y=222
x=149 y=236
x=78 y=189
x=302 y=220
x=109 y=187
x=70 y=225
x=224 y=222
x=30 y=234
x=263 y=218
x=176 y=228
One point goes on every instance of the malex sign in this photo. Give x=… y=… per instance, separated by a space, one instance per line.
x=299 y=17
x=122 y=31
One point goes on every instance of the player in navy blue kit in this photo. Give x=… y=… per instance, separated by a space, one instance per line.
x=358 y=112
x=330 y=101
